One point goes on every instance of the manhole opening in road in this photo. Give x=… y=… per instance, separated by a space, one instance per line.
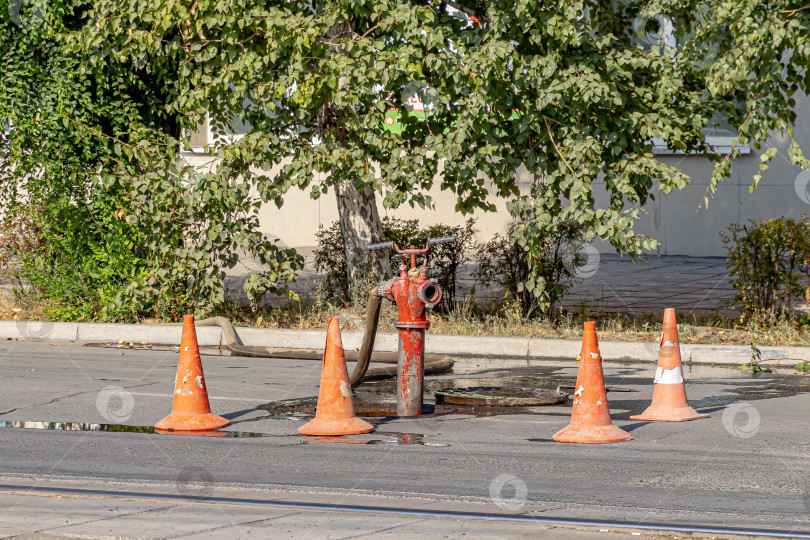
x=381 y=402
x=487 y=396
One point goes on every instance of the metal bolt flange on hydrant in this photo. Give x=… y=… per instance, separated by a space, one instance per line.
x=413 y=292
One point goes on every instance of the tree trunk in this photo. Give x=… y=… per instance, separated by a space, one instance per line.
x=360 y=226
x=360 y=223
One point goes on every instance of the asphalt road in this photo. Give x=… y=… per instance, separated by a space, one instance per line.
x=745 y=468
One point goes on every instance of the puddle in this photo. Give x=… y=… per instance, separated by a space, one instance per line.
x=726 y=391
x=378 y=399
x=394 y=438
x=409 y=438
x=390 y=437
x=305 y=408
x=338 y=440
x=727 y=386
x=119 y=428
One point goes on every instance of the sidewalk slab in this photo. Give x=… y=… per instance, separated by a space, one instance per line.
x=309 y=339
x=155 y=334
x=547 y=348
x=478 y=345
x=39 y=330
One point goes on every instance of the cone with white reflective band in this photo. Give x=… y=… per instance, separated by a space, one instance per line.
x=669 y=394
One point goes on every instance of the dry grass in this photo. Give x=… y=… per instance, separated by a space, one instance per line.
x=504 y=321
x=26 y=309
x=466 y=320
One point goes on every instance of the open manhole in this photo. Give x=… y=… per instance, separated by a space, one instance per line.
x=501 y=396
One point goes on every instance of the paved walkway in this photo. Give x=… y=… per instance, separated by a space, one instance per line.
x=608 y=283
x=687 y=283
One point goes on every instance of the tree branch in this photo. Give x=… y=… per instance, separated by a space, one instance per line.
x=794 y=11
x=557 y=148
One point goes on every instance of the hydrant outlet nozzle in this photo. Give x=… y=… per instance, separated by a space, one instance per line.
x=384 y=290
x=429 y=293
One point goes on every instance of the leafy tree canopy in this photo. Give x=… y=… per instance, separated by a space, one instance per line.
x=749 y=59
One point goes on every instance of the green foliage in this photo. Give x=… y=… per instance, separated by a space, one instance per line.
x=84 y=271
x=766 y=261
x=748 y=61
x=444 y=260
x=803 y=367
x=590 y=101
x=504 y=262
x=20 y=233
x=331 y=259
x=131 y=229
x=802 y=319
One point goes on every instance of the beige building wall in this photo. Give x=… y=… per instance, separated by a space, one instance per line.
x=684 y=226
x=679 y=220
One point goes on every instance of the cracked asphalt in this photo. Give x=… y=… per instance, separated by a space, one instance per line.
x=746 y=466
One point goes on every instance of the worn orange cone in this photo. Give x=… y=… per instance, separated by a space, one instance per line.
x=590 y=415
x=190 y=408
x=669 y=394
x=335 y=412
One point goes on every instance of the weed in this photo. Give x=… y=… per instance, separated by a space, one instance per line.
x=756 y=358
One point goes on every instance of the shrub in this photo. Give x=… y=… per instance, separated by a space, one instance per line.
x=444 y=260
x=106 y=258
x=93 y=267
x=131 y=227
x=503 y=262
x=767 y=261
x=19 y=234
x=88 y=267
x=331 y=259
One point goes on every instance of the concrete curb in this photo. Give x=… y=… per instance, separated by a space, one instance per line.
x=463 y=346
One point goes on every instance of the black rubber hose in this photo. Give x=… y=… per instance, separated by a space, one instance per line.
x=434 y=363
x=364 y=354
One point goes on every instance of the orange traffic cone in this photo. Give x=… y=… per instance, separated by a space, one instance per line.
x=669 y=394
x=190 y=408
x=335 y=412
x=590 y=415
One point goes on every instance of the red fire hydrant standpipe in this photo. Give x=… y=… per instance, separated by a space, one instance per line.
x=413 y=292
